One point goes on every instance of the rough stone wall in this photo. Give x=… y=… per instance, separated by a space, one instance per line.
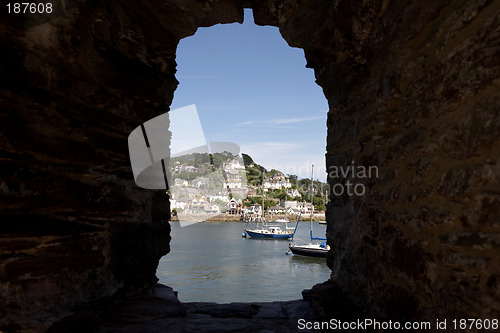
x=74 y=226
x=414 y=89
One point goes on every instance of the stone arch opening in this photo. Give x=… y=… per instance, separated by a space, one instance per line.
x=412 y=88
x=248 y=94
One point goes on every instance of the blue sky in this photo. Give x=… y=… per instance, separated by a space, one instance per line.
x=252 y=89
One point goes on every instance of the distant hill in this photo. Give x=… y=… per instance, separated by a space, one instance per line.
x=254 y=170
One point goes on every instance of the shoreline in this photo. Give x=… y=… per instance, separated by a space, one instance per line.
x=239 y=218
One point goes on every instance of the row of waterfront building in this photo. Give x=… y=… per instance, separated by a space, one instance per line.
x=210 y=194
x=207 y=205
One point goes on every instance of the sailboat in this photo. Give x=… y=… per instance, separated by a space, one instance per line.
x=269 y=231
x=313 y=249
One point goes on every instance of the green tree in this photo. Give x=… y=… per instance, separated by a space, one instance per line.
x=217 y=160
x=272 y=173
x=254 y=170
x=269 y=203
x=216 y=180
x=254 y=176
x=201 y=160
x=247 y=160
x=318 y=202
x=282 y=195
x=187 y=175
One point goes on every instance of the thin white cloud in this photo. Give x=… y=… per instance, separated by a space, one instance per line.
x=281 y=121
x=277 y=126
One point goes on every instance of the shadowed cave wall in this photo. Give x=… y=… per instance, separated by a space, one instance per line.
x=413 y=89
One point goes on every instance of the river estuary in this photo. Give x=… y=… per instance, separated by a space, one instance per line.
x=211 y=262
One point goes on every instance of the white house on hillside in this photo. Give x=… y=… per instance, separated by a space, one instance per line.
x=289 y=204
x=200 y=182
x=292 y=192
x=233 y=206
x=276 y=210
x=256 y=209
x=279 y=181
x=232 y=165
x=178 y=203
x=232 y=179
x=180 y=182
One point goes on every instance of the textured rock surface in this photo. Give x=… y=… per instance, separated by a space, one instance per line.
x=74 y=226
x=161 y=311
x=413 y=89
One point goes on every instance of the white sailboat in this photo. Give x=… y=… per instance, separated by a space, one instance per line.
x=317 y=246
x=269 y=231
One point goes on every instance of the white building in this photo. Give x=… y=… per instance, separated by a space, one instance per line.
x=178 y=203
x=232 y=165
x=211 y=198
x=289 y=204
x=180 y=182
x=212 y=209
x=197 y=205
x=279 y=181
x=200 y=182
x=233 y=206
x=256 y=209
x=276 y=210
x=232 y=179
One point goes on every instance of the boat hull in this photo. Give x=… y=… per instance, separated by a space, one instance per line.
x=254 y=234
x=308 y=251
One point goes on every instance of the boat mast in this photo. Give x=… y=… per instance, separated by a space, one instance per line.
x=312 y=206
x=262 y=212
x=300 y=214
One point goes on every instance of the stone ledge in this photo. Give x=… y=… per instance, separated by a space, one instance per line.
x=161 y=311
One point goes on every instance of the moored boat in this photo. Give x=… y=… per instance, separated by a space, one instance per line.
x=271 y=232
x=313 y=249
x=281 y=220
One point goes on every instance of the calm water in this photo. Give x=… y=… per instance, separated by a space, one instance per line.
x=211 y=262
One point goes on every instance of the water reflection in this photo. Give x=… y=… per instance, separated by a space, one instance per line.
x=212 y=262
